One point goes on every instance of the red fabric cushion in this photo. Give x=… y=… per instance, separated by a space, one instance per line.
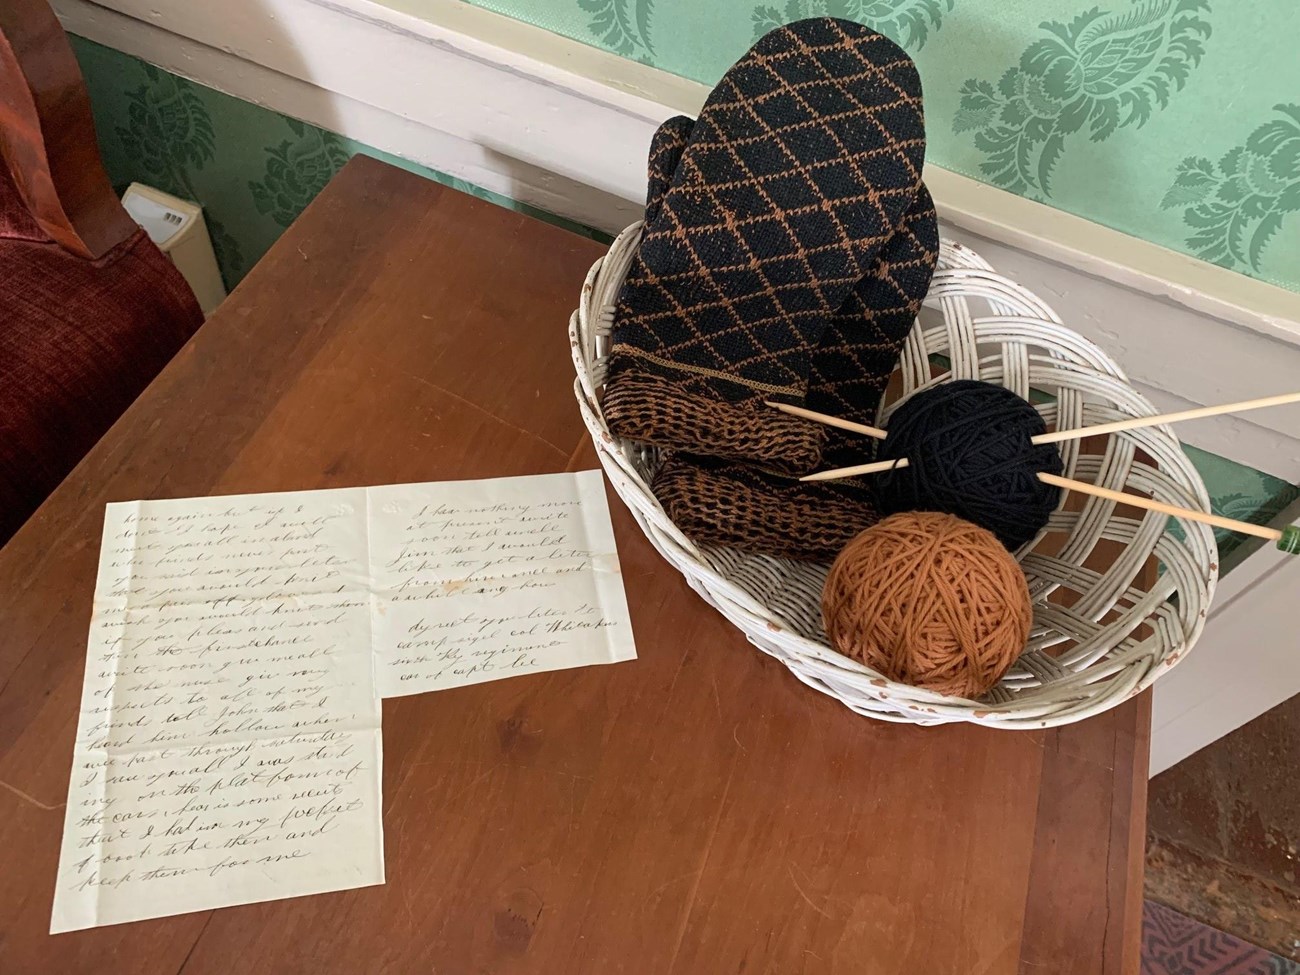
x=79 y=340
x=15 y=221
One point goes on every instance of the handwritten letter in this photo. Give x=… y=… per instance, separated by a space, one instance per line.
x=478 y=580
x=228 y=749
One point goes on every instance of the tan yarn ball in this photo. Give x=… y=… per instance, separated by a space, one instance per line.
x=930 y=600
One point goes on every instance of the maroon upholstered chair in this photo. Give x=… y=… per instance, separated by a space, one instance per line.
x=90 y=309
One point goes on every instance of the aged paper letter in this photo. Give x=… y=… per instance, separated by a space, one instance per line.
x=228 y=748
x=479 y=580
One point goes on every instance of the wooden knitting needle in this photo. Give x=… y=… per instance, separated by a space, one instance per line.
x=1056 y=436
x=827 y=420
x=1139 y=422
x=834 y=421
x=1287 y=539
x=840 y=473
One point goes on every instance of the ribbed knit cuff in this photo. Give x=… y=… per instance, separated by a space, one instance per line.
x=687 y=414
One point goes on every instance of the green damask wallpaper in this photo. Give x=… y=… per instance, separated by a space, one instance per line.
x=1177 y=121
x=254 y=171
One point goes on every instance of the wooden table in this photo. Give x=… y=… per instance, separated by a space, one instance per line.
x=697 y=810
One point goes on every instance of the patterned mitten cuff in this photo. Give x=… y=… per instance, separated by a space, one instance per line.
x=802 y=163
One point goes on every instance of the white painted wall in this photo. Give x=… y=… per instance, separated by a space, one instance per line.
x=564 y=127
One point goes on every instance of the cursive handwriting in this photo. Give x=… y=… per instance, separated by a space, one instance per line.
x=475 y=585
x=228 y=736
x=228 y=743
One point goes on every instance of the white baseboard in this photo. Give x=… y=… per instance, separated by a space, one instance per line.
x=565 y=127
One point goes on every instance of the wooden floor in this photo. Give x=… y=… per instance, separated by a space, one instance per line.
x=1224 y=833
x=697 y=810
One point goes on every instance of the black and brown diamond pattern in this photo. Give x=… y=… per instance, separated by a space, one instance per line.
x=731 y=503
x=802 y=164
x=666 y=148
x=860 y=348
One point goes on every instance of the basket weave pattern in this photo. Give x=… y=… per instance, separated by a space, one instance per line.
x=1100 y=636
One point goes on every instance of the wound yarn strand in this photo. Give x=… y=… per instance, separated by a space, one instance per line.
x=970 y=452
x=930 y=600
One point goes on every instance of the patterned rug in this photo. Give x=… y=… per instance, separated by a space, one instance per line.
x=1173 y=944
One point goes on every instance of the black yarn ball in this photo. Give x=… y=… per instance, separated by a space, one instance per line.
x=969 y=454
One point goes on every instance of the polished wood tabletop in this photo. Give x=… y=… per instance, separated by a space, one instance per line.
x=697 y=810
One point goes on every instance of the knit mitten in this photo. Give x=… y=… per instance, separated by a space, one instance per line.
x=730 y=503
x=725 y=502
x=666 y=148
x=803 y=162
x=860 y=348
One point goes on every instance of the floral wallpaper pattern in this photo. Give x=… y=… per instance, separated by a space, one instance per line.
x=296 y=170
x=1111 y=110
x=623 y=26
x=1235 y=207
x=170 y=130
x=1099 y=72
x=254 y=171
x=910 y=21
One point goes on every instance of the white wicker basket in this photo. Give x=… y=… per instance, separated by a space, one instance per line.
x=1108 y=640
